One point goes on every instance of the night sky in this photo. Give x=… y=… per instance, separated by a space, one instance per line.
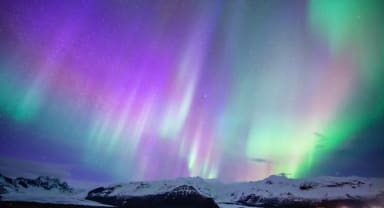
x=106 y=90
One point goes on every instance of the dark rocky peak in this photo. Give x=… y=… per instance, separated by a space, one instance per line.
x=184 y=190
x=50 y=183
x=43 y=182
x=101 y=191
x=5 y=179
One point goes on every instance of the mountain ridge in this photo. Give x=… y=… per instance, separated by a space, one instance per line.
x=44 y=182
x=274 y=191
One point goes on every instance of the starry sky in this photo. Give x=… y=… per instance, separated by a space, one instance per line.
x=97 y=90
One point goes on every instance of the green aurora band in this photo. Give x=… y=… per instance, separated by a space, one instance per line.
x=287 y=80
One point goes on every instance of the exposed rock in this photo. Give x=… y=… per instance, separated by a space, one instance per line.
x=47 y=183
x=308 y=185
x=181 y=197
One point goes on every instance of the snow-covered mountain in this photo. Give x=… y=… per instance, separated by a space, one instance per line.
x=274 y=191
x=279 y=190
x=43 y=190
x=181 y=192
x=270 y=192
x=10 y=185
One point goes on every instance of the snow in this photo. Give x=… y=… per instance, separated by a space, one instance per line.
x=226 y=195
x=280 y=187
x=159 y=187
x=54 y=197
x=43 y=190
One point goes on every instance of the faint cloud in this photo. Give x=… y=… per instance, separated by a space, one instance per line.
x=284 y=174
x=260 y=160
x=319 y=135
x=321 y=141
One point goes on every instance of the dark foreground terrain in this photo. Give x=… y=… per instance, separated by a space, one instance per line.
x=338 y=204
x=7 y=204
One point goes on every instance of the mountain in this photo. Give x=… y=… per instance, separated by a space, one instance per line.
x=313 y=192
x=42 y=189
x=179 y=193
x=9 y=185
x=274 y=191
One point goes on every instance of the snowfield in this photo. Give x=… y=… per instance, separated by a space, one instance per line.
x=42 y=190
x=270 y=191
x=319 y=188
x=274 y=189
x=52 y=198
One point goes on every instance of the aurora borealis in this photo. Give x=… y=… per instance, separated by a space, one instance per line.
x=236 y=90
